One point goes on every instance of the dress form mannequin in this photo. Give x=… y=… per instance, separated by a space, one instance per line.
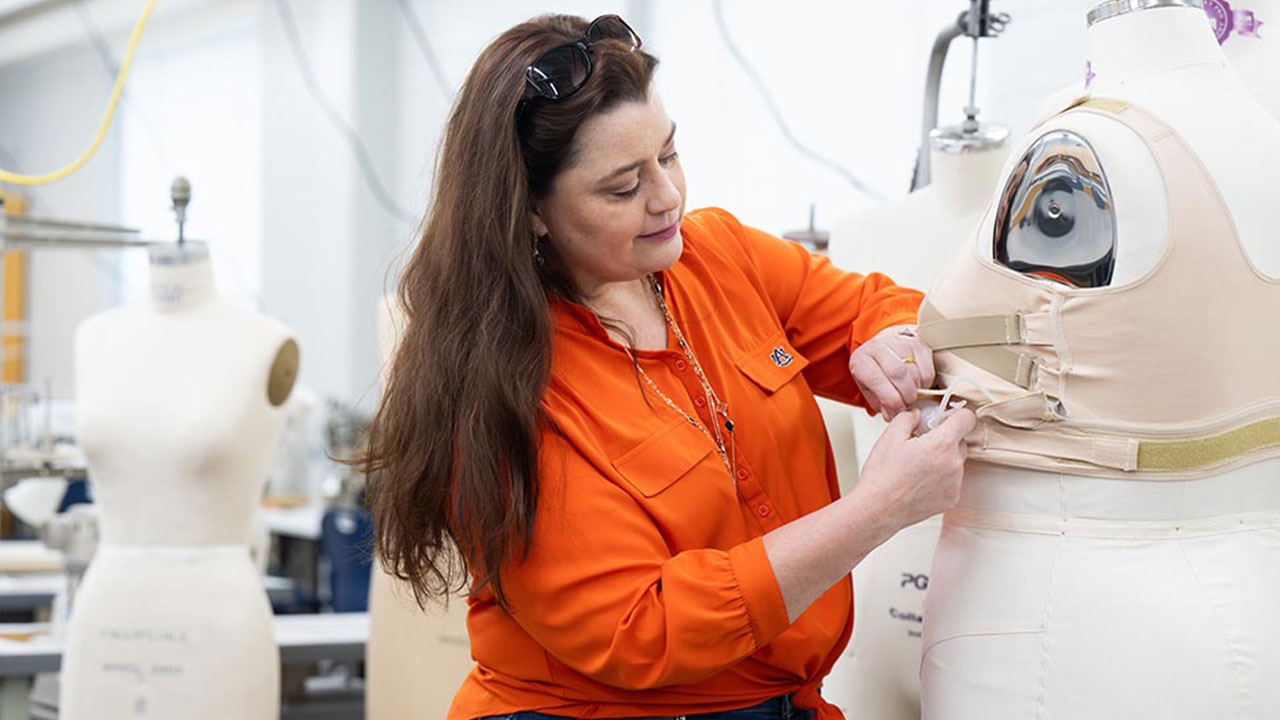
x=179 y=417
x=1254 y=50
x=1108 y=597
x=416 y=658
x=910 y=240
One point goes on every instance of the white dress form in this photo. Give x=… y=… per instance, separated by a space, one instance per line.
x=1254 y=52
x=911 y=240
x=1152 y=612
x=178 y=412
x=417 y=659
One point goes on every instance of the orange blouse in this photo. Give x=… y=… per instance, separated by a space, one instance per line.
x=647 y=590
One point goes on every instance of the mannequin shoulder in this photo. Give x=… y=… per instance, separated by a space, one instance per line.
x=1118 y=149
x=1112 y=171
x=271 y=342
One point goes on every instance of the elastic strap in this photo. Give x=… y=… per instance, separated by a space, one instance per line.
x=1211 y=450
x=977 y=340
x=1132 y=454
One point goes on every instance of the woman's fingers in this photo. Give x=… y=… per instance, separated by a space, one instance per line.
x=919 y=354
x=902 y=375
x=956 y=425
x=924 y=360
x=877 y=388
x=891 y=368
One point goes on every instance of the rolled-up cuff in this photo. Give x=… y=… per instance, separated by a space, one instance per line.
x=766 y=609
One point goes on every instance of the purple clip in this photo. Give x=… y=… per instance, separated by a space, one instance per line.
x=1089 y=74
x=1247 y=23
x=1225 y=20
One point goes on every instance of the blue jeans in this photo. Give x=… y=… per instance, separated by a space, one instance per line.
x=779 y=708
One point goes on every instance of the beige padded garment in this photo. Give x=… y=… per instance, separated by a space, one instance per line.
x=1166 y=377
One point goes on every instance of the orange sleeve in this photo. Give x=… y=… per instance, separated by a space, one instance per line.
x=826 y=312
x=601 y=592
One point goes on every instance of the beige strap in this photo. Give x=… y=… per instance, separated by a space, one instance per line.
x=1016 y=329
x=1147 y=126
x=1212 y=450
x=1109 y=452
x=1106 y=105
x=1130 y=454
x=971 y=331
x=1014 y=367
x=975 y=341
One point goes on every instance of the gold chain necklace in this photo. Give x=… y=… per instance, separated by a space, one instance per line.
x=713 y=401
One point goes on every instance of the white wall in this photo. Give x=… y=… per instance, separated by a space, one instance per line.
x=295 y=229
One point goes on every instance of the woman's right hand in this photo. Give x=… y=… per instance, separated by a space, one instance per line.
x=913 y=478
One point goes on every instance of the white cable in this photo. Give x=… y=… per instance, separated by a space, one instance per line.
x=763 y=89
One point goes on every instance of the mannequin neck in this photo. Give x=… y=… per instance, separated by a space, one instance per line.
x=1141 y=43
x=181 y=277
x=963 y=182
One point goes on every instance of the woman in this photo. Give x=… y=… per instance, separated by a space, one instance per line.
x=601 y=414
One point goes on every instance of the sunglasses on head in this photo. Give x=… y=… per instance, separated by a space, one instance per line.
x=562 y=70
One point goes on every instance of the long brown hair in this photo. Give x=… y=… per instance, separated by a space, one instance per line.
x=452 y=455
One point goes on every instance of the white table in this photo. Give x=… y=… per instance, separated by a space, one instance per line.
x=27 y=591
x=301 y=639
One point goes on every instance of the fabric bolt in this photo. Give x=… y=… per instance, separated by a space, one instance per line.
x=646 y=590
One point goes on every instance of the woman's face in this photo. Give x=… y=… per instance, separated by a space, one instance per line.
x=614 y=214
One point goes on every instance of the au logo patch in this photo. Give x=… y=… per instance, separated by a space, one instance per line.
x=780 y=357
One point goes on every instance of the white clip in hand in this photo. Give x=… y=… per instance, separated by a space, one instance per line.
x=932 y=414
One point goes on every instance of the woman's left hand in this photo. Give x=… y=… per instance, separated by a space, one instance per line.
x=890 y=367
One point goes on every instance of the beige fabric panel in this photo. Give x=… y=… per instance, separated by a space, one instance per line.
x=1154 y=357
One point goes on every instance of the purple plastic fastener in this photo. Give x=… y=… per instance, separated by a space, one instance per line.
x=1226 y=20
x=1089 y=74
x=1247 y=23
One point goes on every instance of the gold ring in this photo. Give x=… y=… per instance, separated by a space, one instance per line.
x=909 y=360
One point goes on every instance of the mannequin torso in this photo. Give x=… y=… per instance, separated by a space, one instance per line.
x=178 y=417
x=1054 y=595
x=911 y=240
x=1179 y=74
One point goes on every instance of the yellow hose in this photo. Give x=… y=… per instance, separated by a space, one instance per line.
x=19 y=179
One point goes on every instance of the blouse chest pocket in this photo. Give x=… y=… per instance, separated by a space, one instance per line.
x=772 y=363
x=658 y=461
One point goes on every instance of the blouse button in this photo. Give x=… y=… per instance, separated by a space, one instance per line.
x=700 y=401
x=764 y=511
x=681 y=365
x=742 y=475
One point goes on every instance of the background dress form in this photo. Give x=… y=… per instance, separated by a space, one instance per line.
x=179 y=419
x=910 y=240
x=417 y=658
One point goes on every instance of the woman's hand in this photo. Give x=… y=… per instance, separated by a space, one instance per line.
x=913 y=478
x=905 y=480
x=889 y=369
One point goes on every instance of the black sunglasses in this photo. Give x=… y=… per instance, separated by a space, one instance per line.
x=562 y=70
